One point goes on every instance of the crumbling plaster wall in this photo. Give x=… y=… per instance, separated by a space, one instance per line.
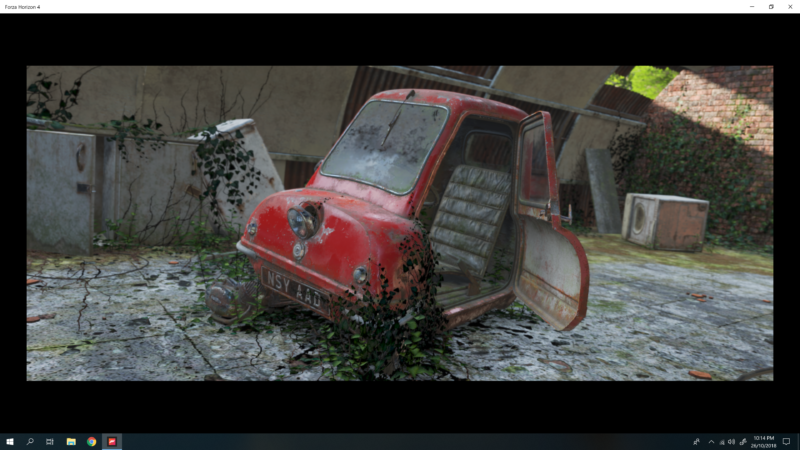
x=301 y=116
x=569 y=85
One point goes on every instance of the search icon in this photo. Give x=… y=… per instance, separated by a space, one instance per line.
x=30 y=441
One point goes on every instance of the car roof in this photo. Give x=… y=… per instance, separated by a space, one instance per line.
x=457 y=102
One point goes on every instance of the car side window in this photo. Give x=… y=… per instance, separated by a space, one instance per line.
x=536 y=188
x=489 y=150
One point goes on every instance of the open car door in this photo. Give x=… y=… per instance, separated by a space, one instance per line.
x=552 y=274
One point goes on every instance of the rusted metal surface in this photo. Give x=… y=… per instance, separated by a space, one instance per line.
x=552 y=276
x=462 y=314
x=665 y=222
x=364 y=223
x=681 y=226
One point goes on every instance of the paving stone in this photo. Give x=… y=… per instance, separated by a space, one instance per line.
x=640 y=326
x=168 y=357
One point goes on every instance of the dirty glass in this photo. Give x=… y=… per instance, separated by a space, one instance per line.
x=535 y=187
x=395 y=165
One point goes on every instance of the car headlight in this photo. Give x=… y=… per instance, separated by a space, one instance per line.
x=360 y=275
x=304 y=219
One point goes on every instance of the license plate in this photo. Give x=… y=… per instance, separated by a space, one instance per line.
x=290 y=287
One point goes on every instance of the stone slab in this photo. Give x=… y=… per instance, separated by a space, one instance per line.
x=604 y=191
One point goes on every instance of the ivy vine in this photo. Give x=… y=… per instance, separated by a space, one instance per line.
x=679 y=156
x=222 y=156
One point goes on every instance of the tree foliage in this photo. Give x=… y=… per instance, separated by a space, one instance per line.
x=644 y=80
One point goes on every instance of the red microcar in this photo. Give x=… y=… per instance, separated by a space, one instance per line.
x=484 y=172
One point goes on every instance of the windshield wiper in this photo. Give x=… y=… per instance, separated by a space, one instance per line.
x=396 y=115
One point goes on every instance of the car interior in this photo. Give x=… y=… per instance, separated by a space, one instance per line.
x=467 y=211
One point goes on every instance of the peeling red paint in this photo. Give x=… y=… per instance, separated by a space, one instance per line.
x=362 y=225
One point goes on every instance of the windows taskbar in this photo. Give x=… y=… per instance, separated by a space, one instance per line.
x=439 y=441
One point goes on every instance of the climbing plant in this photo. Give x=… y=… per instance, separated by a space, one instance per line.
x=391 y=334
x=680 y=156
x=222 y=156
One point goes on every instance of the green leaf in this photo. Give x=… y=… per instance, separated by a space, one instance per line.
x=56 y=126
x=411 y=324
x=239 y=134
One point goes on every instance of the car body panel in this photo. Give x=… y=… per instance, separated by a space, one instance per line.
x=364 y=225
x=552 y=273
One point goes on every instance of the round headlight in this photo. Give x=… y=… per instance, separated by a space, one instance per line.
x=304 y=220
x=360 y=275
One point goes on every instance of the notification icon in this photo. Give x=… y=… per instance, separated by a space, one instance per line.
x=91 y=441
x=112 y=442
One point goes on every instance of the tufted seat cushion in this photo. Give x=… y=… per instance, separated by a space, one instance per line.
x=468 y=221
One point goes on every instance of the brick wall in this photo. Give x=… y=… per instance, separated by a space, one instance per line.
x=710 y=98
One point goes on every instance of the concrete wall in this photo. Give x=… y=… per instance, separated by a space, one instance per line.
x=301 y=116
x=59 y=214
x=570 y=85
x=105 y=93
x=588 y=132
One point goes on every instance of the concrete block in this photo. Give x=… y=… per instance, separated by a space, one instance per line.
x=269 y=182
x=60 y=192
x=604 y=191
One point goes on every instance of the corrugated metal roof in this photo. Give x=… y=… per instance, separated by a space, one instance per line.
x=487 y=72
x=562 y=120
x=624 y=70
x=297 y=174
x=369 y=81
x=622 y=100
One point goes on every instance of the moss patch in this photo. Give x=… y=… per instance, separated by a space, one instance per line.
x=612 y=248
x=606 y=305
x=514 y=369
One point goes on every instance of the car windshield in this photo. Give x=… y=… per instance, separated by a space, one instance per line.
x=395 y=165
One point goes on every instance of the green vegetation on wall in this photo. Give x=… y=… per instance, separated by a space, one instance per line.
x=222 y=156
x=681 y=157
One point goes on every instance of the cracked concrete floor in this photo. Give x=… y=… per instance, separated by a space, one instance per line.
x=136 y=317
